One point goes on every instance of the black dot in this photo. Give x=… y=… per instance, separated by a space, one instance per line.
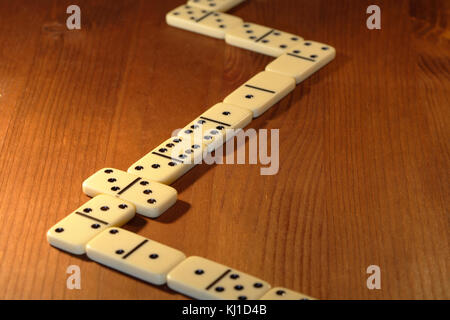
x=59 y=230
x=325 y=48
x=207 y=137
x=226 y=113
x=138 y=168
x=190 y=12
x=294 y=39
x=258 y=285
x=155 y=166
x=113 y=231
x=249 y=31
x=95 y=226
x=222 y=26
x=194 y=126
x=189 y=151
x=176 y=13
x=144 y=183
x=220 y=289
x=252 y=37
x=201 y=121
x=276 y=33
x=313 y=56
x=234 y=276
x=151 y=201
x=238 y=287
x=307 y=43
x=188 y=131
x=249 y=96
x=115 y=188
x=87 y=210
x=219 y=20
x=296 y=51
x=104 y=208
x=212 y=4
x=214 y=132
x=153 y=256
x=162 y=150
x=281 y=292
x=172 y=164
x=242 y=298
x=265 y=41
x=246 y=25
x=123 y=206
x=177 y=140
x=283 y=46
x=192 y=18
x=199 y=272
x=112 y=180
x=220 y=127
x=109 y=171
x=120 y=251
x=170 y=145
x=147 y=191
x=182 y=156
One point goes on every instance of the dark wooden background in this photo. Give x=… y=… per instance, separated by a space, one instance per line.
x=364 y=145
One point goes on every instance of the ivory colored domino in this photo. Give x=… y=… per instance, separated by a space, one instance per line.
x=74 y=231
x=303 y=60
x=217 y=124
x=208 y=23
x=170 y=160
x=216 y=5
x=279 y=293
x=150 y=198
x=261 y=92
x=261 y=39
x=133 y=254
x=204 y=279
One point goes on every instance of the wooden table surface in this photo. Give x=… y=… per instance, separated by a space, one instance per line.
x=364 y=145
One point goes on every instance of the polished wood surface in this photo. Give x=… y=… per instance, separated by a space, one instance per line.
x=364 y=145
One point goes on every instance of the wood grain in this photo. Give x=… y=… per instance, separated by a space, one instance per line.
x=364 y=145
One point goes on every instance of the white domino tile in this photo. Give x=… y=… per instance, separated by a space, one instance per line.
x=217 y=124
x=170 y=160
x=133 y=254
x=72 y=233
x=150 y=198
x=261 y=39
x=279 y=293
x=215 y=5
x=209 y=23
x=303 y=60
x=261 y=92
x=204 y=279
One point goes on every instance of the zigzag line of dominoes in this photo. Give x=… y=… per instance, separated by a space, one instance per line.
x=144 y=188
